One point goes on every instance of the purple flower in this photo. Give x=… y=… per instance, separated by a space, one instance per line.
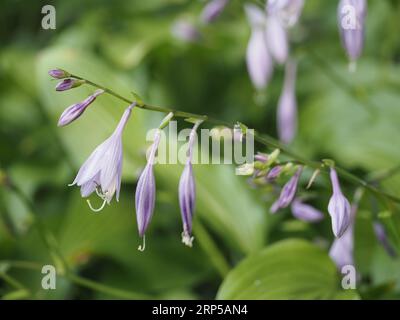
x=261 y=157
x=305 y=212
x=274 y=173
x=258 y=59
x=351 y=21
x=339 y=207
x=288 y=11
x=287 y=106
x=69 y=83
x=73 y=112
x=145 y=195
x=212 y=10
x=59 y=73
x=187 y=191
x=341 y=251
x=277 y=41
x=289 y=189
x=383 y=239
x=101 y=172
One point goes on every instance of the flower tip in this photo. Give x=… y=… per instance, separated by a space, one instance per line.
x=142 y=246
x=187 y=239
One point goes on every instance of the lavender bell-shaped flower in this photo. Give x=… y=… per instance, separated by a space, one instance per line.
x=288 y=192
x=212 y=10
x=351 y=21
x=305 y=212
x=383 y=239
x=339 y=207
x=258 y=59
x=101 y=172
x=287 y=106
x=75 y=111
x=277 y=40
x=145 y=195
x=69 y=83
x=187 y=191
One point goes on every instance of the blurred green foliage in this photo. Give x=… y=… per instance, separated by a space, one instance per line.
x=127 y=45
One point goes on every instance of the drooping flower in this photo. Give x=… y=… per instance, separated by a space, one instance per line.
x=212 y=10
x=305 y=212
x=289 y=189
x=59 y=73
x=75 y=111
x=101 y=172
x=383 y=239
x=287 y=106
x=288 y=11
x=339 y=207
x=69 y=83
x=351 y=22
x=258 y=59
x=187 y=191
x=277 y=40
x=145 y=195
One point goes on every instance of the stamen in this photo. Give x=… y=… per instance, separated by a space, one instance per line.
x=98 y=209
x=143 y=245
x=187 y=239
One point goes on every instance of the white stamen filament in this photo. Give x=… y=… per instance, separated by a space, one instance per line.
x=98 y=209
x=143 y=245
x=187 y=239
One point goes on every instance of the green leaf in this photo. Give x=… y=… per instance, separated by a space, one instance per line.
x=290 y=269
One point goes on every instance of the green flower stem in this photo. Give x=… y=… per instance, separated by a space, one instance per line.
x=263 y=139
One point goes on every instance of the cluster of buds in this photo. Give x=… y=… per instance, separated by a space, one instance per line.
x=102 y=171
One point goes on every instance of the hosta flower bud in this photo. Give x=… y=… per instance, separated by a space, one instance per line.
x=59 y=73
x=212 y=10
x=75 y=111
x=339 y=207
x=305 y=212
x=381 y=235
x=67 y=84
x=289 y=189
x=351 y=20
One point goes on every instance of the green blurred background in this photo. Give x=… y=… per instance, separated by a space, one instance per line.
x=240 y=251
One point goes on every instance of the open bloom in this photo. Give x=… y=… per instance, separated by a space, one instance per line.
x=187 y=191
x=287 y=106
x=351 y=21
x=145 y=195
x=305 y=212
x=212 y=10
x=101 y=172
x=339 y=207
x=75 y=111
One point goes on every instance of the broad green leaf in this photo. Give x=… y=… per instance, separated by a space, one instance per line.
x=290 y=269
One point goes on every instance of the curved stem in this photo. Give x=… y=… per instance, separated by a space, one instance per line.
x=263 y=139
